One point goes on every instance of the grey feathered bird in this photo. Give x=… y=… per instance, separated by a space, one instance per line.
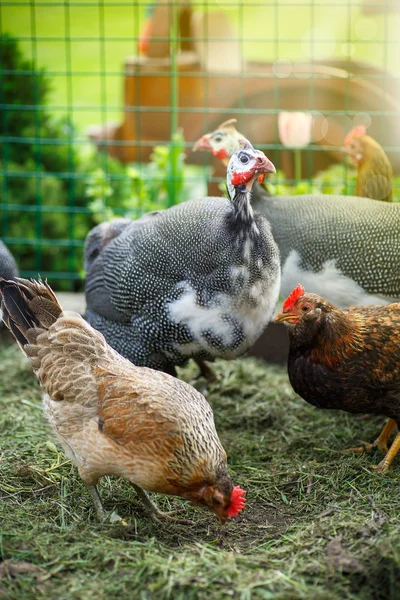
x=345 y=248
x=199 y=280
x=8 y=266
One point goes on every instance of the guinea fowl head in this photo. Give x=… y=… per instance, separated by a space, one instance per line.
x=354 y=144
x=304 y=310
x=222 y=142
x=245 y=166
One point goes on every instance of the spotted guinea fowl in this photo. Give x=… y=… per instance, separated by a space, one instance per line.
x=343 y=246
x=113 y=418
x=200 y=280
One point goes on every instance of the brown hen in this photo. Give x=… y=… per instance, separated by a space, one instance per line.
x=113 y=418
x=374 y=171
x=346 y=359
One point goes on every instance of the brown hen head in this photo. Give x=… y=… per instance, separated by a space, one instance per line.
x=222 y=498
x=333 y=334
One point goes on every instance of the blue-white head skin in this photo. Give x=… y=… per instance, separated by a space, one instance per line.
x=245 y=166
x=222 y=142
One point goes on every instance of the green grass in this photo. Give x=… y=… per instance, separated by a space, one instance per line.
x=303 y=492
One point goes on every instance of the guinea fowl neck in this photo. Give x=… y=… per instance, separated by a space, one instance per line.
x=242 y=218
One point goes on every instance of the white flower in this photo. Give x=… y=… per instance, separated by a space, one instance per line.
x=294 y=129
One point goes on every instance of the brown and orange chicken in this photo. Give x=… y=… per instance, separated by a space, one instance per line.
x=374 y=171
x=113 y=418
x=346 y=359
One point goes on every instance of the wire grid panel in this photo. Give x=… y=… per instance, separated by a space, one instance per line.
x=199 y=64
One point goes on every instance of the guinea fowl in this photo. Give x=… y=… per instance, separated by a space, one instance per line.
x=200 y=280
x=374 y=171
x=113 y=418
x=344 y=245
x=8 y=266
x=346 y=359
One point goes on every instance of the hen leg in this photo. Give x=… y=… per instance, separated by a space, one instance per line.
x=387 y=461
x=380 y=442
x=206 y=371
x=155 y=513
x=101 y=514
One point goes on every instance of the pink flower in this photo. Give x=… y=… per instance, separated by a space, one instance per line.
x=294 y=129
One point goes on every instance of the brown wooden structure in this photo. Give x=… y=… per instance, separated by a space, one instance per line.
x=215 y=83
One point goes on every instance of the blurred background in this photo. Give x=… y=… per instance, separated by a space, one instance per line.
x=102 y=100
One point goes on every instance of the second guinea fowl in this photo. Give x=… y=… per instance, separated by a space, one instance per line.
x=346 y=246
x=201 y=280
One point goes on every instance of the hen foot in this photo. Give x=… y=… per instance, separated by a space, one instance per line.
x=101 y=515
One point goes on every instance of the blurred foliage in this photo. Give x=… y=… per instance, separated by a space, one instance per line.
x=166 y=180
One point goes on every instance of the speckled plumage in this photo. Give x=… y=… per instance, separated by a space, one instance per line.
x=111 y=417
x=345 y=247
x=198 y=281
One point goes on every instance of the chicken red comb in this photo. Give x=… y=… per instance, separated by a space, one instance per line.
x=358 y=131
x=291 y=299
x=238 y=502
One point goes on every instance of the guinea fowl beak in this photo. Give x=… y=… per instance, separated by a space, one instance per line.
x=263 y=166
x=202 y=144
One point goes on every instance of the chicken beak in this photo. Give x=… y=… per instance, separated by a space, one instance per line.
x=202 y=144
x=285 y=317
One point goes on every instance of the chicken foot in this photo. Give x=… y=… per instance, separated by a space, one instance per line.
x=387 y=461
x=380 y=442
x=101 y=514
x=155 y=513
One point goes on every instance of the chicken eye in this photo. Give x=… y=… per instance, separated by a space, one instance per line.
x=306 y=307
x=244 y=159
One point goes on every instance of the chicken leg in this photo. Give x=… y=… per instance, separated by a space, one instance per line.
x=155 y=513
x=387 y=461
x=380 y=442
x=101 y=514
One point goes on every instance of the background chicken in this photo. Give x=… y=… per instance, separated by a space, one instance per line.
x=346 y=359
x=346 y=246
x=199 y=280
x=113 y=418
x=374 y=171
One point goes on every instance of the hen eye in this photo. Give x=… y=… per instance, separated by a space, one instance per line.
x=305 y=307
x=243 y=159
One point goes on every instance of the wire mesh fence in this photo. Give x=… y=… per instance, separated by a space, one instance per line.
x=101 y=102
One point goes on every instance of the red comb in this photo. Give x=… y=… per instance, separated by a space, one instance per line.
x=291 y=299
x=358 y=131
x=238 y=502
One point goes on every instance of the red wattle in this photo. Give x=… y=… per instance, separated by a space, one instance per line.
x=239 y=178
x=222 y=153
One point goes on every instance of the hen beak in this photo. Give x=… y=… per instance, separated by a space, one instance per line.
x=202 y=144
x=282 y=317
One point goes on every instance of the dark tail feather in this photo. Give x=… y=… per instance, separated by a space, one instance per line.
x=27 y=305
